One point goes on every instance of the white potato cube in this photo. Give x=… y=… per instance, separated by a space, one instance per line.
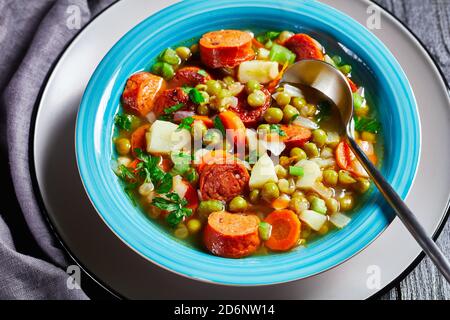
x=313 y=219
x=160 y=137
x=263 y=171
x=311 y=172
x=261 y=71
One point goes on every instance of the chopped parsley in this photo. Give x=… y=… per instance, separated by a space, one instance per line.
x=219 y=125
x=196 y=96
x=173 y=108
x=175 y=206
x=367 y=124
x=181 y=162
x=149 y=170
x=124 y=121
x=186 y=124
x=269 y=35
x=277 y=129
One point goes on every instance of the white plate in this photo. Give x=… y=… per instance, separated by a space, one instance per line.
x=112 y=263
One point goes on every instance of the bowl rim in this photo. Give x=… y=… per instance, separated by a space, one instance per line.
x=83 y=165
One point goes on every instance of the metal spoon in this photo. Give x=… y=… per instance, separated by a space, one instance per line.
x=333 y=84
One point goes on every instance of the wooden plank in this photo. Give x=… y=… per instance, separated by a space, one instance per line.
x=430 y=21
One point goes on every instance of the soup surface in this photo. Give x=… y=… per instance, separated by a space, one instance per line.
x=210 y=145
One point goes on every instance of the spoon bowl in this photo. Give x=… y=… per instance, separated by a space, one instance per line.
x=331 y=83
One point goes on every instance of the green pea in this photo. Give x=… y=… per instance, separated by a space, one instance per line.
x=273 y=115
x=330 y=177
x=283 y=99
x=346 y=202
x=286 y=186
x=289 y=112
x=298 y=153
x=167 y=71
x=201 y=87
x=194 y=225
x=345 y=69
x=238 y=204
x=270 y=191
x=184 y=52
x=203 y=110
x=194 y=48
x=332 y=205
x=224 y=93
x=171 y=57
x=308 y=110
x=123 y=146
x=318 y=205
x=285 y=35
x=362 y=185
x=228 y=80
x=319 y=137
x=298 y=102
x=254 y=196
x=252 y=85
x=264 y=127
x=337 y=60
x=213 y=87
x=345 y=177
x=280 y=171
x=256 y=99
x=311 y=149
x=209 y=206
x=299 y=204
x=181 y=232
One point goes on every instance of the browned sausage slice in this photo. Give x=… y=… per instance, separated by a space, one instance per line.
x=226 y=48
x=141 y=91
x=189 y=76
x=223 y=181
x=251 y=116
x=170 y=97
x=231 y=235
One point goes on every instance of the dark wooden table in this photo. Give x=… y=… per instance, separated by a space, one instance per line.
x=430 y=22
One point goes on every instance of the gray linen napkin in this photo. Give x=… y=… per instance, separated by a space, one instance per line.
x=32 y=35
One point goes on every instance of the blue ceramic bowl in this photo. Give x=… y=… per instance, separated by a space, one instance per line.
x=377 y=69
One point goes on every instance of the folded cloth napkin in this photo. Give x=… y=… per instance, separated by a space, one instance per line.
x=32 y=36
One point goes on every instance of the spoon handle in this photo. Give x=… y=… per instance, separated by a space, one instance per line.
x=406 y=216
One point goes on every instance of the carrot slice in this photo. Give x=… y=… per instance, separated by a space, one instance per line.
x=138 y=140
x=206 y=120
x=353 y=86
x=285 y=230
x=232 y=121
x=346 y=159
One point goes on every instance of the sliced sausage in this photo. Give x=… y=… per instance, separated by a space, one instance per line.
x=169 y=98
x=304 y=47
x=296 y=136
x=141 y=91
x=138 y=140
x=189 y=76
x=226 y=48
x=251 y=116
x=223 y=181
x=231 y=235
